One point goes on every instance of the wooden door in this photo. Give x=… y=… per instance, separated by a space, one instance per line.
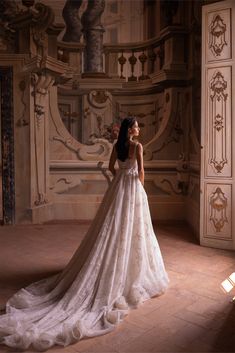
x=217 y=212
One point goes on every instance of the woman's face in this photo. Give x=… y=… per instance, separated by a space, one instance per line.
x=134 y=130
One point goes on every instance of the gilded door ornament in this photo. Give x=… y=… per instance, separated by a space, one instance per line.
x=218 y=205
x=218 y=101
x=218 y=86
x=217 y=30
x=218 y=123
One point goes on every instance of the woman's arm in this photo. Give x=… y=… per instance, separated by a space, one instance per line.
x=112 y=160
x=139 y=156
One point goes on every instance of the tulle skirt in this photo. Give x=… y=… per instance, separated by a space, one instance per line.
x=117 y=266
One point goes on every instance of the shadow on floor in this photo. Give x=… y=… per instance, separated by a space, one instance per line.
x=224 y=340
x=180 y=233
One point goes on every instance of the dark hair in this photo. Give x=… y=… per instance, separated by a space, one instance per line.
x=122 y=145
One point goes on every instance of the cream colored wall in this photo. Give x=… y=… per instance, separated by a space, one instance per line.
x=77 y=184
x=64 y=177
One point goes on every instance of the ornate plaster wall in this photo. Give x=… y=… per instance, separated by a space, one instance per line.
x=66 y=116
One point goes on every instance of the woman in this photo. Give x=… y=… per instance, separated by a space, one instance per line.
x=117 y=266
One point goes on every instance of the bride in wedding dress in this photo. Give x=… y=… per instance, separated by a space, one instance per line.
x=117 y=266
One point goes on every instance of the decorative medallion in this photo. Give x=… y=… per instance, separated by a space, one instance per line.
x=217 y=30
x=99 y=99
x=218 y=86
x=218 y=206
x=218 y=123
x=100 y=96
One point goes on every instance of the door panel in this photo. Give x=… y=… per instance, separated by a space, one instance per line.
x=217 y=167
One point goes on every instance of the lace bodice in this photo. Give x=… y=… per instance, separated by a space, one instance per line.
x=129 y=165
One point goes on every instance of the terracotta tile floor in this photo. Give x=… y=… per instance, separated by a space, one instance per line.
x=193 y=316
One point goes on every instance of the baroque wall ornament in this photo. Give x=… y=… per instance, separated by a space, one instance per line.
x=44 y=17
x=181 y=182
x=164 y=122
x=97 y=149
x=218 y=205
x=98 y=108
x=173 y=128
x=98 y=98
x=217 y=31
x=41 y=84
x=218 y=101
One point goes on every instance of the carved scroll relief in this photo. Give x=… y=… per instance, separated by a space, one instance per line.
x=98 y=115
x=40 y=85
x=218 y=211
x=98 y=149
x=219 y=37
x=219 y=122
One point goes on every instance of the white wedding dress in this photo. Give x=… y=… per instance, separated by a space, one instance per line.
x=117 y=266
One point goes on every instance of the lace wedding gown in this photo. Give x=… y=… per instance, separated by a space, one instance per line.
x=117 y=266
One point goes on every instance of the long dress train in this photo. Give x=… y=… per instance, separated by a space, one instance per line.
x=117 y=266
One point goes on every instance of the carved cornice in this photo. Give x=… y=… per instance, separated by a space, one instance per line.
x=71 y=46
x=10 y=57
x=47 y=64
x=178 y=72
x=95 y=83
x=150 y=167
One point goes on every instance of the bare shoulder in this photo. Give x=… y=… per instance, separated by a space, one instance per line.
x=139 y=147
